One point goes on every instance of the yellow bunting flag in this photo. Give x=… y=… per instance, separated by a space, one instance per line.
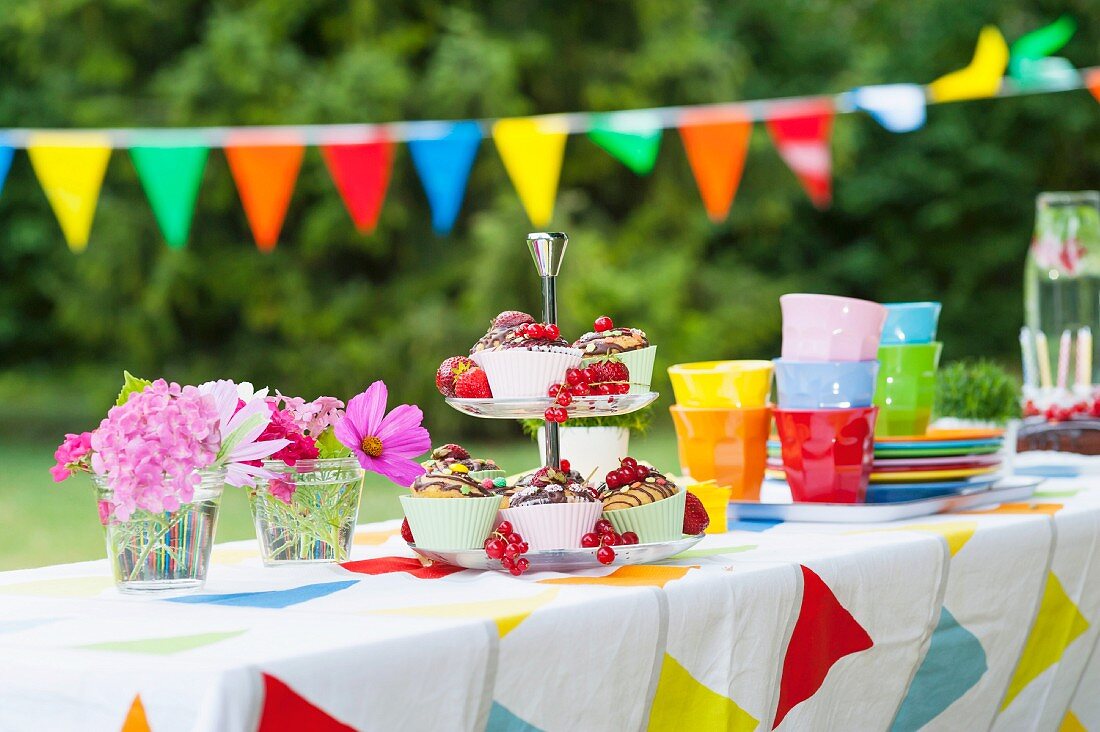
x=982 y=77
x=532 y=150
x=70 y=168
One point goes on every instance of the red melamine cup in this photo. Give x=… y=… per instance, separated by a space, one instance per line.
x=827 y=453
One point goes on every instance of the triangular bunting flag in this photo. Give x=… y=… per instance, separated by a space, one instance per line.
x=897 y=107
x=801 y=134
x=6 y=154
x=361 y=173
x=285 y=710
x=716 y=144
x=443 y=160
x=1039 y=44
x=532 y=150
x=70 y=167
x=981 y=77
x=136 y=721
x=1092 y=81
x=171 y=177
x=265 y=177
x=631 y=138
x=824 y=633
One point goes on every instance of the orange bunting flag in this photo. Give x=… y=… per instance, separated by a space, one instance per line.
x=70 y=168
x=1092 y=81
x=265 y=177
x=532 y=150
x=716 y=144
x=801 y=133
x=361 y=173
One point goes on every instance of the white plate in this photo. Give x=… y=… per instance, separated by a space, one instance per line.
x=566 y=560
x=1015 y=488
x=533 y=408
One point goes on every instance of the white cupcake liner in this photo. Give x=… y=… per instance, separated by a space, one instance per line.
x=554 y=526
x=519 y=373
x=450 y=524
x=640 y=365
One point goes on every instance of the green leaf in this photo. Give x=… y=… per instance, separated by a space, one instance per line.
x=637 y=422
x=130 y=385
x=329 y=447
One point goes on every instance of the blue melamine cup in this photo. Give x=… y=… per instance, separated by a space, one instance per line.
x=824 y=384
x=910 y=322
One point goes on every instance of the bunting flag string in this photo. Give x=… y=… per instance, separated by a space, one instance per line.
x=265 y=161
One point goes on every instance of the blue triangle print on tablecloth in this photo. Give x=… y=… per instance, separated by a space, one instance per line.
x=443 y=159
x=954 y=663
x=501 y=719
x=6 y=154
x=756 y=525
x=273 y=599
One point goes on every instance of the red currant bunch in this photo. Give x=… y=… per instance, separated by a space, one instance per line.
x=629 y=471
x=604 y=537
x=509 y=547
x=603 y=323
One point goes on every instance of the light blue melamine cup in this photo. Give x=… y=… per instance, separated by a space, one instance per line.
x=824 y=384
x=910 y=322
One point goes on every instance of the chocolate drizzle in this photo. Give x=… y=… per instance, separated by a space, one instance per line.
x=449 y=485
x=653 y=488
x=616 y=340
x=548 y=486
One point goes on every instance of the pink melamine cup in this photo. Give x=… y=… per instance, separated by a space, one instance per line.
x=830 y=328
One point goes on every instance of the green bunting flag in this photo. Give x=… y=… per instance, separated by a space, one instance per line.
x=628 y=139
x=171 y=177
x=1032 y=63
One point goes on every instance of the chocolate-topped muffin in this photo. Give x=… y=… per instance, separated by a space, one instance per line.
x=650 y=489
x=548 y=486
x=532 y=336
x=615 y=340
x=501 y=326
x=446 y=456
x=450 y=484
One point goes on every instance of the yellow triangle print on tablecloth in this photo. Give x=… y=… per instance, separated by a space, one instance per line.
x=373 y=538
x=957 y=533
x=532 y=150
x=506 y=613
x=89 y=586
x=136 y=721
x=1072 y=724
x=683 y=703
x=1058 y=624
x=70 y=168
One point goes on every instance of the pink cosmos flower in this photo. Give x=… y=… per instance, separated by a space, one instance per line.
x=384 y=443
x=70 y=455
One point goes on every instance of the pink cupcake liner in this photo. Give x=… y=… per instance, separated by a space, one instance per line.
x=554 y=526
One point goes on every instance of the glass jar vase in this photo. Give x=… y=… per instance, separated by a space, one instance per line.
x=306 y=513
x=167 y=551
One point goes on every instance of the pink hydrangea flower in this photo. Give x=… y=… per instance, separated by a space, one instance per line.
x=312 y=417
x=71 y=455
x=150 y=447
x=384 y=443
x=283 y=490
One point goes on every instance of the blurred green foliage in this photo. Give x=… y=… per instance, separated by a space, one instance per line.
x=976 y=389
x=943 y=213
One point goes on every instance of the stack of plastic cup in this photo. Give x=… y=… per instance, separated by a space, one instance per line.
x=722 y=420
x=910 y=355
x=825 y=383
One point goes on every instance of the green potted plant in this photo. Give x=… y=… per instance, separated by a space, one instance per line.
x=975 y=394
x=594 y=444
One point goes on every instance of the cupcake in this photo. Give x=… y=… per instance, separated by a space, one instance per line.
x=449 y=455
x=645 y=502
x=501 y=326
x=552 y=509
x=448 y=510
x=526 y=361
x=629 y=345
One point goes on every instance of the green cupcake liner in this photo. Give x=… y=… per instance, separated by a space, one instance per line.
x=449 y=524
x=659 y=521
x=480 y=475
x=640 y=363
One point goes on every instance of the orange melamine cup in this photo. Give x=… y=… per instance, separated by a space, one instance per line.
x=728 y=446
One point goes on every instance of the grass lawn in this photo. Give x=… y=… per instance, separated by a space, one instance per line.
x=42 y=522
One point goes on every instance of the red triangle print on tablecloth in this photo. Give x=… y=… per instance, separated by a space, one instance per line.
x=824 y=633
x=287 y=711
x=389 y=565
x=362 y=175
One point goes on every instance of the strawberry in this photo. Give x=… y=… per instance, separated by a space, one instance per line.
x=695 y=516
x=473 y=384
x=449 y=371
x=450 y=450
x=406 y=532
x=511 y=318
x=608 y=369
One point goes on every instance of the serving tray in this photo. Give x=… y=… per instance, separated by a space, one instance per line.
x=534 y=407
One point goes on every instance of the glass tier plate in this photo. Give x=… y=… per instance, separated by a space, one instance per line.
x=565 y=560
x=533 y=408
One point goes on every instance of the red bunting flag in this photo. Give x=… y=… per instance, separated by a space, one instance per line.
x=361 y=173
x=801 y=134
x=265 y=177
x=716 y=144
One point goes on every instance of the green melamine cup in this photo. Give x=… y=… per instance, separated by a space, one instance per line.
x=906 y=387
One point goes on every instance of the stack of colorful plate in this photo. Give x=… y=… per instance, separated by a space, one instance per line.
x=908 y=468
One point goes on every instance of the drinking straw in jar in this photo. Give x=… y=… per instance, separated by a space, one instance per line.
x=1064 y=344
x=1027 y=354
x=1042 y=354
x=1084 y=356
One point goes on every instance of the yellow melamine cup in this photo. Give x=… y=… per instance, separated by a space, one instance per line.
x=722 y=384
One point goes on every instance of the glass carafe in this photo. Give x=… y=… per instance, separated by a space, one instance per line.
x=1062 y=275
